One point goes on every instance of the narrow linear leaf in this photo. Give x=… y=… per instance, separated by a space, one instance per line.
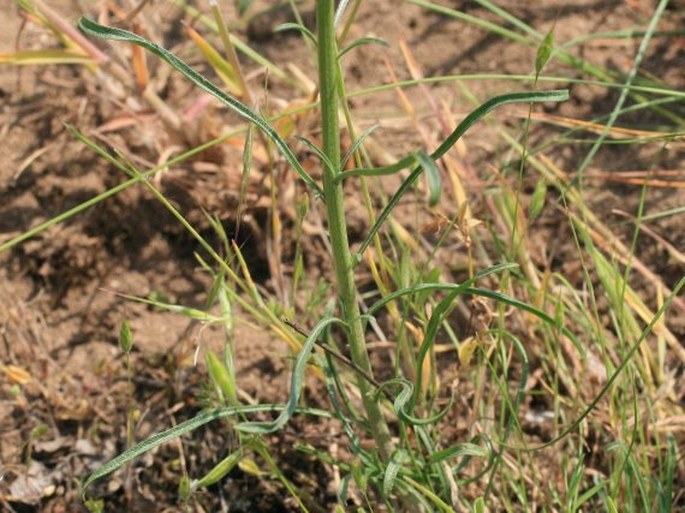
x=671 y=463
x=180 y=429
x=439 y=286
x=245 y=178
x=295 y=384
x=517 y=303
x=100 y=31
x=42 y=57
x=283 y=27
x=429 y=337
x=340 y=11
x=355 y=146
x=362 y=41
x=220 y=65
x=424 y=494
x=619 y=370
x=192 y=313
x=396 y=461
x=544 y=52
x=433 y=175
x=468 y=122
x=518 y=399
x=319 y=153
x=67 y=214
x=489 y=452
x=409 y=160
x=578 y=503
x=465 y=288
x=62 y=28
x=459 y=450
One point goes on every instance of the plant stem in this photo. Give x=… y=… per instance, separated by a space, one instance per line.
x=333 y=194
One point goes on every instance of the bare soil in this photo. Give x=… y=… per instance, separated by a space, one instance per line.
x=63 y=385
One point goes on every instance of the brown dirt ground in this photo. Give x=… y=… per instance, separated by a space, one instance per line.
x=59 y=319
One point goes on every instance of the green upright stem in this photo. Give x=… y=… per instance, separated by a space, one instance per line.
x=333 y=194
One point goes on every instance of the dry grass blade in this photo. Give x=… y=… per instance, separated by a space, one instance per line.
x=66 y=28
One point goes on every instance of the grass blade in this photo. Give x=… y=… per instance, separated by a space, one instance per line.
x=544 y=53
x=220 y=65
x=468 y=122
x=40 y=57
x=362 y=41
x=319 y=153
x=619 y=370
x=438 y=286
x=340 y=11
x=245 y=178
x=180 y=429
x=456 y=451
x=103 y=32
x=357 y=144
x=433 y=175
x=300 y=28
x=409 y=160
x=393 y=468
